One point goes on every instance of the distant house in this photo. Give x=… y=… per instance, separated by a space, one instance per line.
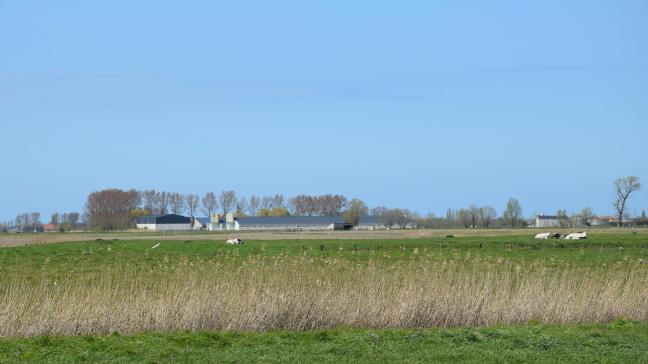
x=546 y=221
x=164 y=222
x=50 y=228
x=603 y=221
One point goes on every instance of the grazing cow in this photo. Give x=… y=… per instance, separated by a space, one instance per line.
x=234 y=241
x=576 y=236
x=548 y=236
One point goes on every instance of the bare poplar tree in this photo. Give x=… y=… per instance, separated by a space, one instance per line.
x=300 y=205
x=54 y=219
x=624 y=187
x=488 y=215
x=177 y=202
x=34 y=220
x=474 y=213
x=150 y=198
x=209 y=203
x=266 y=203
x=192 y=201
x=378 y=210
x=278 y=201
x=464 y=217
x=241 y=206
x=403 y=217
x=69 y=220
x=227 y=201
x=162 y=202
x=253 y=206
x=587 y=214
x=563 y=219
x=513 y=212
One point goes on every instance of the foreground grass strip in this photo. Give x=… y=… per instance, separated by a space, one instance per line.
x=620 y=341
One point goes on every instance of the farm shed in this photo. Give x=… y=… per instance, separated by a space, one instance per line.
x=164 y=222
x=201 y=223
x=370 y=223
x=289 y=223
x=218 y=222
x=543 y=221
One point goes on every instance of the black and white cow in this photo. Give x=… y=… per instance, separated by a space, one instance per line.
x=235 y=241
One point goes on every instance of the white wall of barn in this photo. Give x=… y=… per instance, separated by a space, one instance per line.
x=146 y=226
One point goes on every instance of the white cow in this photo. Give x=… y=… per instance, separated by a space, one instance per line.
x=576 y=236
x=234 y=241
x=543 y=236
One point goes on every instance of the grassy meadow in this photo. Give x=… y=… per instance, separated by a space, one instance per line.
x=285 y=292
x=617 y=342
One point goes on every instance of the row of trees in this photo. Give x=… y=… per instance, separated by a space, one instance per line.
x=65 y=221
x=31 y=222
x=391 y=218
x=624 y=188
x=112 y=209
x=477 y=217
x=161 y=202
x=28 y=222
x=474 y=216
x=117 y=209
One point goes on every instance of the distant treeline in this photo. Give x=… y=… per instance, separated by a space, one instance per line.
x=118 y=209
x=115 y=209
x=31 y=222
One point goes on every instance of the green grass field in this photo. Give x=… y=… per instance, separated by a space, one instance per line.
x=94 y=255
x=327 y=300
x=618 y=342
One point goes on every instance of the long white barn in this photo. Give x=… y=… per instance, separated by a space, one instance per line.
x=259 y=223
x=164 y=222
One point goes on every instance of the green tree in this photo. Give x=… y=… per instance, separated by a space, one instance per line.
x=356 y=208
x=275 y=212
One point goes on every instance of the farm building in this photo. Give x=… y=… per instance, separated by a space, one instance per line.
x=370 y=223
x=284 y=223
x=604 y=221
x=50 y=228
x=290 y=223
x=543 y=221
x=224 y=222
x=164 y=222
x=201 y=223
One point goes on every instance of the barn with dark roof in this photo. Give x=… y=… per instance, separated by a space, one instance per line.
x=164 y=222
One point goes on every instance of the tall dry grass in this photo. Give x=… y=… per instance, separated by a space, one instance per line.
x=298 y=294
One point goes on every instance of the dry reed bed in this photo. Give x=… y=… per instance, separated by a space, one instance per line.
x=299 y=294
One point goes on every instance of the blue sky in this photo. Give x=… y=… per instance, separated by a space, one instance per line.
x=421 y=104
